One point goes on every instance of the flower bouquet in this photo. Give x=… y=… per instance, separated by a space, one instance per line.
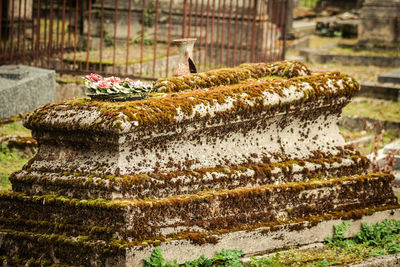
x=115 y=89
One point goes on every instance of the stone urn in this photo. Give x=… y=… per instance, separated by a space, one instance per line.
x=185 y=62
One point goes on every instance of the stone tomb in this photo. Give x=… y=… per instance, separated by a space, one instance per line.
x=390 y=77
x=380 y=23
x=24 y=88
x=247 y=157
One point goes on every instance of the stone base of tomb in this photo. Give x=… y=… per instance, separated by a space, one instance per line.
x=72 y=231
x=34 y=249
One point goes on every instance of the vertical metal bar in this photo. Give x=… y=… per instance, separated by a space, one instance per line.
x=12 y=33
x=142 y=39
x=169 y=37
x=69 y=23
x=37 y=33
x=196 y=6
x=1 y=26
x=45 y=25
x=33 y=35
x=76 y=30
x=50 y=44
x=236 y=33
x=101 y=36
x=115 y=34
x=128 y=35
x=206 y=38
x=155 y=39
x=242 y=31
x=222 y=32
x=24 y=33
x=284 y=28
x=88 y=35
x=260 y=31
x=184 y=18
x=19 y=27
x=58 y=27
x=253 y=32
x=229 y=30
x=62 y=35
x=201 y=32
x=270 y=31
x=248 y=40
x=281 y=21
x=190 y=18
x=264 y=27
x=212 y=34
x=6 y=28
x=196 y=27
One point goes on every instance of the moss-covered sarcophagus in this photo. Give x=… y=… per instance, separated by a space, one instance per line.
x=248 y=158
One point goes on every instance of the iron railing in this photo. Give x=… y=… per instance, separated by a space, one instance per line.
x=133 y=37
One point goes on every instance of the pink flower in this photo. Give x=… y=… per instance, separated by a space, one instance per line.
x=94 y=77
x=114 y=80
x=104 y=84
x=128 y=80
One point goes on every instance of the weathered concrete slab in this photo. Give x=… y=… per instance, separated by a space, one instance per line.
x=390 y=77
x=24 y=88
x=320 y=56
x=380 y=90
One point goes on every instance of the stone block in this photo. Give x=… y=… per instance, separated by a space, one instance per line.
x=380 y=22
x=24 y=88
x=390 y=77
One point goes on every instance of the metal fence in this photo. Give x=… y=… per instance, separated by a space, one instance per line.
x=134 y=37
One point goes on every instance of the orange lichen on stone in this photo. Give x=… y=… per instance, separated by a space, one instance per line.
x=245 y=99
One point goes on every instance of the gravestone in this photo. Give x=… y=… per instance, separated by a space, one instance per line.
x=390 y=77
x=24 y=88
x=248 y=158
x=380 y=22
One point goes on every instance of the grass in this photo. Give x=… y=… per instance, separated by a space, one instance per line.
x=373 y=240
x=10 y=161
x=14 y=128
x=308 y=3
x=375 y=109
x=350 y=135
x=360 y=73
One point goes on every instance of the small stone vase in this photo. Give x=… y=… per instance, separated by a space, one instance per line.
x=185 y=62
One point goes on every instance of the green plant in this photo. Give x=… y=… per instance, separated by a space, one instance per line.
x=10 y=161
x=384 y=235
x=339 y=232
x=224 y=258
x=108 y=40
x=14 y=128
x=149 y=17
x=373 y=240
x=157 y=260
x=323 y=263
x=273 y=260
